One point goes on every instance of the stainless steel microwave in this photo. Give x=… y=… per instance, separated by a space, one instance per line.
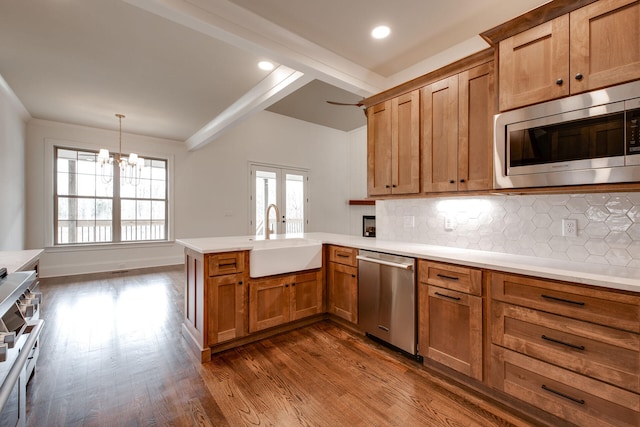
x=590 y=138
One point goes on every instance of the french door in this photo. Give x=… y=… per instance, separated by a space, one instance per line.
x=284 y=187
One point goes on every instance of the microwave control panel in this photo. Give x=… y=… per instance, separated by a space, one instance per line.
x=633 y=131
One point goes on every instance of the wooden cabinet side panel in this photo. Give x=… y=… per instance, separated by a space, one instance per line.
x=405 y=167
x=379 y=149
x=439 y=105
x=605 y=36
x=475 y=128
x=531 y=64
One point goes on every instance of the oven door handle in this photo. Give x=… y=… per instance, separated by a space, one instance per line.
x=387 y=263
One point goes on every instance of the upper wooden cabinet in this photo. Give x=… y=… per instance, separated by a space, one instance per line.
x=590 y=48
x=457 y=132
x=393 y=146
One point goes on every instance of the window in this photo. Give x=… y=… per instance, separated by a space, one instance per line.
x=91 y=209
x=287 y=189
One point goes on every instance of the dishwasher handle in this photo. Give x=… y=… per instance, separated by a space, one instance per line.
x=383 y=262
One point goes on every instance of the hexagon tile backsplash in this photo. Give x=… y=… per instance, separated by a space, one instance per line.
x=608 y=225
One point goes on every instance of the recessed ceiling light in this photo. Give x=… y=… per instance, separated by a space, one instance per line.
x=265 y=65
x=380 y=32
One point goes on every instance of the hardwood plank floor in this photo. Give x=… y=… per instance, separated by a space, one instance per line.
x=112 y=355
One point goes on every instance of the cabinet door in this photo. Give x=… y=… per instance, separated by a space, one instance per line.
x=605 y=40
x=226 y=308
x=379 y=149
x=440 y=135
x=534 y=65
x=405 y=143
x=450 y=329
x=475 y=128
x=306 y=295
x=343 y=291
x=268 y=302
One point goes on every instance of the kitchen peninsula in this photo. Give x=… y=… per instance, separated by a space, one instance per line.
x=486 y=302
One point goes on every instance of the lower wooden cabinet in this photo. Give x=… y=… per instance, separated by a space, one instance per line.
x=570 y=396
x=277 y=300
x=226 y=302
x=450 y=329
x=343 y=291
x=450 y=319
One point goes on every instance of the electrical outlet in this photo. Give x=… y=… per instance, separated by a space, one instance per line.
x=409 y=221
x=569 y=227
x=449 y=223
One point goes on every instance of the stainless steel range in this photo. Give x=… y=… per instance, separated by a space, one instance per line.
x=20 y=328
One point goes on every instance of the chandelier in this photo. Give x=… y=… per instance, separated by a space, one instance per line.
x=130 y=167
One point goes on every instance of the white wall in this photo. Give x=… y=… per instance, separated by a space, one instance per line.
x=13 y=119
x=358 y=179
x=208 y=184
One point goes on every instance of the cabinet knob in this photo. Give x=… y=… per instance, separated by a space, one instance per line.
x=394 y=186
x=559 y=82
x=579 y=76
x=453 y=181
x=462 y=180
x=286 y=285
x=386 y=186
x=353 y=275
x=240 y=282
x=293 y=284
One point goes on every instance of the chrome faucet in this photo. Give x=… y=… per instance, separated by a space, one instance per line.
x=267 y=232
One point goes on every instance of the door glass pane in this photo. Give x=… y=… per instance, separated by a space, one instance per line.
x=295 y=203
x=265 y=195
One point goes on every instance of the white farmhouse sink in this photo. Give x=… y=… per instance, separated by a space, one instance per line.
x=269 y=257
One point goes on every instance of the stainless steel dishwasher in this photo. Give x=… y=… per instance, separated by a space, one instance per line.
x=387 y=298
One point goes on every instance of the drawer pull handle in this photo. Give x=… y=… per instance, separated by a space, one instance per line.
x=447 y=296
x=228 y=264
x=573 y=399
x=444 y=276
x=577 y=347
x=568 y=301
x=342 y=255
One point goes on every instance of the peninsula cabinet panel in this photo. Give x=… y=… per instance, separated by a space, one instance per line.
x=226 y=296
x=605 y=40
x=343 y=291
x=307 y=295
x=534 y=65
x=576 y=398
x=274 y=301
x=393 y=146
x=268 y=302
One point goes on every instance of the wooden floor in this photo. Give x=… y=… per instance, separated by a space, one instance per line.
x=112 y=355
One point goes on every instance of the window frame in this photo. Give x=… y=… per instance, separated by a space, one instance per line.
x=50 y=194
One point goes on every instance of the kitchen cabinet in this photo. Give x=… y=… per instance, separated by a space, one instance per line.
x=276 y=300
x=590 y=48
x=343 y=283
x=393 y=146
x=571 y=350
x=450 y=317
x=457 y=131
x=226 y=297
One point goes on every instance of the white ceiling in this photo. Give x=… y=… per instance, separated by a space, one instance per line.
x=187 y=69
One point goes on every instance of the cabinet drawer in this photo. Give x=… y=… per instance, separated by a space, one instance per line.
x=342 y=255
x=616 y=309
x=608 y=354
x=225 y=263
x=457 y=278
x=573 y=397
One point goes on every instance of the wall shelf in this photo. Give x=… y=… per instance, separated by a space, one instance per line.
x=362 y=202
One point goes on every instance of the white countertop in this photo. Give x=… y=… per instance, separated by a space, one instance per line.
x=18 y=260
x=614 y=277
